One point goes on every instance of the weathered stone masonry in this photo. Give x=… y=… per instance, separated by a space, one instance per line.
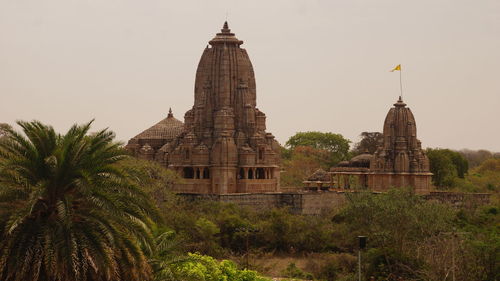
x=223 y=146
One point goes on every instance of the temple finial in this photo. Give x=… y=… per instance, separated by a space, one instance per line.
x=400 y=102
x=225 y=28
x=170 y=114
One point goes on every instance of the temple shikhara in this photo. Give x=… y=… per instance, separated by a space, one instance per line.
x=223 y=146
x=399 y=160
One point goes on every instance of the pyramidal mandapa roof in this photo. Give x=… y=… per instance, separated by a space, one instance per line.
x=167 y=128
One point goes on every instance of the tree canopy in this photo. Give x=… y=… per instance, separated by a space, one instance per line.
x=68 y=210
x=335 y=144
x=369 y=142
x=446 y=165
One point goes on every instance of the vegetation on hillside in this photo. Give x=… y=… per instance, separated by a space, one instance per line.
x=75 y=206
x=408 y=236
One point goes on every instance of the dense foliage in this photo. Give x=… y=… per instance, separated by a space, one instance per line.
x=68 y=211
x=446 y=165
x=205 y=268
x=409 y=237
x=451 y=170
x=335 y=144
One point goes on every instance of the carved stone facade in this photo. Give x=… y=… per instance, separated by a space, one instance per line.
x=399 y=161
x=223 y=147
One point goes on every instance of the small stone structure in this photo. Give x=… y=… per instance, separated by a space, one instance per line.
x=223 y=146
x=319 y=180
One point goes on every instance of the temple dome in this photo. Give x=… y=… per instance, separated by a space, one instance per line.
x=401 y=151
x=362 y=160
x=400 y=125
x=166 y=129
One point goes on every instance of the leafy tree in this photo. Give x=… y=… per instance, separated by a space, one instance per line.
x=446 y=165
x=369 y=142
x=69 y=210
x=335 y=144
x=304 y=160
x=308 y=151
x=396 y=224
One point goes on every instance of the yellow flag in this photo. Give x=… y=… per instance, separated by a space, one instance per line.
x=398 y=67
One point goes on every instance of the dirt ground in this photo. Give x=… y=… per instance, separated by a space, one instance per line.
x=274 y=265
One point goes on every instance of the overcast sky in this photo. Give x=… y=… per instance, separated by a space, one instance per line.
x=319 y=65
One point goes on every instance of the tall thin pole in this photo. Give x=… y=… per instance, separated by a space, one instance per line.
x=359 y=264
x=400 y=81
x=453 y=257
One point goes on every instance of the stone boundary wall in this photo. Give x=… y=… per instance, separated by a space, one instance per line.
x=307 y=203
x=317 y=202
x=459 y=198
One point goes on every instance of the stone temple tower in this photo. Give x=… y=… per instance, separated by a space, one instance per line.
x=224 y=147
x=400 y=160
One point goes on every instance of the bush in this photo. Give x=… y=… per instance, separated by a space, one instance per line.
x=204 y=268
x=292 y=271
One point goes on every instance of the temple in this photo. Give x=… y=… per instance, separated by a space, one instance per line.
x=223 y=146
x=398 y=162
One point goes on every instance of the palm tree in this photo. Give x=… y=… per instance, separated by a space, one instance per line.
x=69 y=210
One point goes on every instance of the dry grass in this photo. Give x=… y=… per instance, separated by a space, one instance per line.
x=274 y=265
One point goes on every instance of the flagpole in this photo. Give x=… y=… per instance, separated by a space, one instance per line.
x=400 y=82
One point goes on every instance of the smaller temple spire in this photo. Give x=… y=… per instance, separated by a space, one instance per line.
x=170 y=114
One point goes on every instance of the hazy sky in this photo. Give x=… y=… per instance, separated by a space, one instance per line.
x=320 y=65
